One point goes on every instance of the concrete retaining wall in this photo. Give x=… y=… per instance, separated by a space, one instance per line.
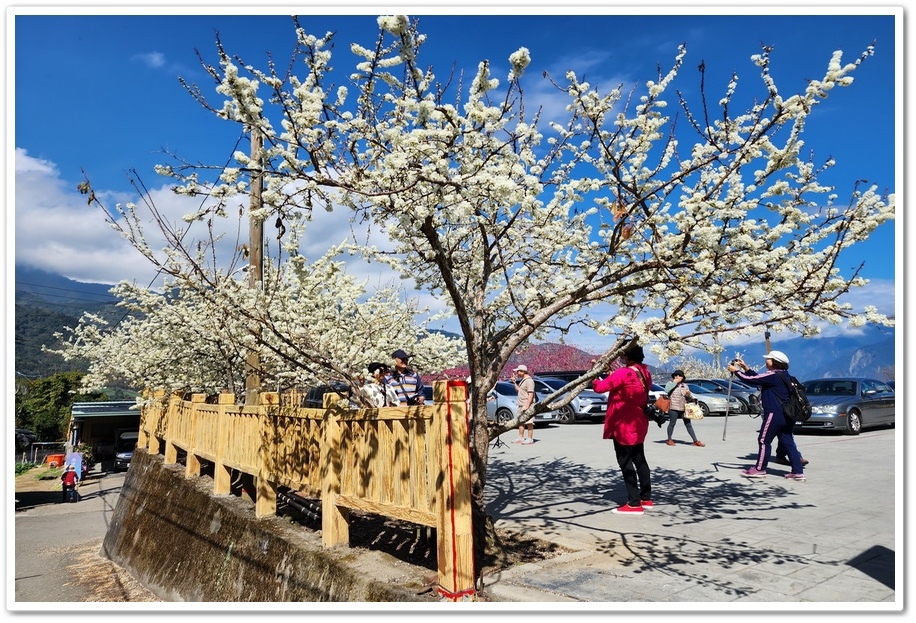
x=184 y=544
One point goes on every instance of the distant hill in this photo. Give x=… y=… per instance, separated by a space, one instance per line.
x=46 y=303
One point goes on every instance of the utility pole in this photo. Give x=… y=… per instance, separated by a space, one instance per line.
x=766 y=337
x=255 y=263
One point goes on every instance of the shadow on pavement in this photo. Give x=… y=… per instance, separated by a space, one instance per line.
x=876 y=562
x=561 y=495
x=31 y=499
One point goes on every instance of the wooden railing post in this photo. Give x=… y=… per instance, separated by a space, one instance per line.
x=335 y=520
x=222 y=475
x=266 y=492
x=455 y=544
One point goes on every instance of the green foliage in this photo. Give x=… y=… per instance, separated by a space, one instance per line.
x=43 y=405
x=86 y=450
x=35 y=328
x=22 y=468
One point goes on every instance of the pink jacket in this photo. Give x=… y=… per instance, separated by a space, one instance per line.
x=625 y=420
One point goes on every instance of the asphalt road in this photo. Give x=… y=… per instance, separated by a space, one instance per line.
x=58 y=548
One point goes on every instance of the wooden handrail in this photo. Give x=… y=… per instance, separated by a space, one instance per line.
x=410 y=463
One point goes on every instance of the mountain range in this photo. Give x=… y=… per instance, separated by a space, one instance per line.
x=45 y=303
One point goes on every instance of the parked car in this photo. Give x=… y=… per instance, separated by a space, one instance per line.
x=587 y=405
x=314 y=397
x=714 y=403
x=656 y=391
x=124 y=449
x=748 y=396
x=502 y=404
x=849 y=404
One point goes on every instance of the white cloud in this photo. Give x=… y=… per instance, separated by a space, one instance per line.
x=153 y=60
x=57 y=231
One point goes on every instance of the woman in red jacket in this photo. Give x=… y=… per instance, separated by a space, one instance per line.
x=626 y=423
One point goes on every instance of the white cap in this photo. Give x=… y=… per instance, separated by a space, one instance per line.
x=522 y=367
x=777 y=355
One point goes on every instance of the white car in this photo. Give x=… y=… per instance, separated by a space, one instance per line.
x=587 y=405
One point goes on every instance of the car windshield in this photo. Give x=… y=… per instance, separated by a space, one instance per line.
x=554 y=383
x=506 y=388
x=830 y=387
x=736 y=384
x=696 y=389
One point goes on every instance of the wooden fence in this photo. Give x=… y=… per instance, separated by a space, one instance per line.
x=410 y=463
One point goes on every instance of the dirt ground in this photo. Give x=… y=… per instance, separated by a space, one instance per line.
x=108 y=582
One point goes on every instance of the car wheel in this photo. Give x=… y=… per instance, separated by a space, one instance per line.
x=503 y=416
x=705 y=409
x=854 y=422
x=745 y=406
x=566 y=415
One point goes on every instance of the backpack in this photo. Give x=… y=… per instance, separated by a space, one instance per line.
x=797 y=407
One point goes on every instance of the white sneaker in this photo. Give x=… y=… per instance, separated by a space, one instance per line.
x=527 y=441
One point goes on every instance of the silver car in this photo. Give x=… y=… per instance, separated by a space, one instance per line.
x=714 y=403
x=502 y=404
x=587 y=405
x=747 y=395
x=849 y=404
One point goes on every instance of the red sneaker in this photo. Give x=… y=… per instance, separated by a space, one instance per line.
x=647 y=504
x=626 y=509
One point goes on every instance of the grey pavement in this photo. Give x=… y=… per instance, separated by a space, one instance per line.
x=714 y=538
x=51 y=538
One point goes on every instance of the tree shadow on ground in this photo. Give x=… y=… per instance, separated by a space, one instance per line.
x=562 y=495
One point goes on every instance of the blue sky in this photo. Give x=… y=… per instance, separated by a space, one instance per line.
x=100 y=93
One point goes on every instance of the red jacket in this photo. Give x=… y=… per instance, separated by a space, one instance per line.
x=625 y=420
x=69 y=478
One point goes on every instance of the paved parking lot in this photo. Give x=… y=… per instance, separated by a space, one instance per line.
x=714 y=537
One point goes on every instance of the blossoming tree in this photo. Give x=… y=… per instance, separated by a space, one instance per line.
x=611 y=219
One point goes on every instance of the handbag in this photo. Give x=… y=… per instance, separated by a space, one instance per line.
x=653 y=413
x=663 y=403
x=693 y=411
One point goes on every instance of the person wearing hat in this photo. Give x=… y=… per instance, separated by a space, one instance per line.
x=774 y=391
x=627 y=425
x=69 y=479
x=405 y=382
x=679 y=393
x=524 y=382
x=379 y=393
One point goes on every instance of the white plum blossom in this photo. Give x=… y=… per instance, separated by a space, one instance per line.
x=606 y=217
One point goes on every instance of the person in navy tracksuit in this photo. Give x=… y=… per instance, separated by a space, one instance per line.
x=774 y=391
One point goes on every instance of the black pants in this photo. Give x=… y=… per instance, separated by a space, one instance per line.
x=635 y=470
x=69 y=493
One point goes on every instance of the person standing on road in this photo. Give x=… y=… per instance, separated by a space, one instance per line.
x=524 y=382
x=679 y=393
x=626 y=423
x=774 y=391
x=405 y=381
x=69 y=480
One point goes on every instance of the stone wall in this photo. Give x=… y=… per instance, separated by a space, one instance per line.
x=185 y=545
